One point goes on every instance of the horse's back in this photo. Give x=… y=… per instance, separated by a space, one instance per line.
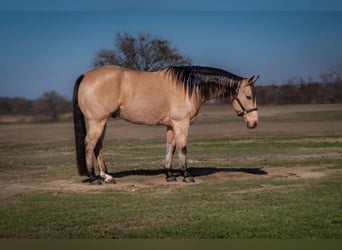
x=103 y=77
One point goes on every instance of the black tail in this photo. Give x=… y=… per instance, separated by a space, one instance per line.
x=80 y=131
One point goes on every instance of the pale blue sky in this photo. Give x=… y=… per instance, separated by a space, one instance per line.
x=45 y=47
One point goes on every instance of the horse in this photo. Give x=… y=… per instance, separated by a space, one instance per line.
x=170 y=97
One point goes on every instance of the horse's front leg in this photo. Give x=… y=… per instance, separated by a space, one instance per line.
x=170 y=150
x=181 y=134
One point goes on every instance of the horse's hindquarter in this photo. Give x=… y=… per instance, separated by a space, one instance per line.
x=99 y=92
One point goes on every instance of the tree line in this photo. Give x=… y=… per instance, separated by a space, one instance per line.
x=300 y=93
x=51 y=106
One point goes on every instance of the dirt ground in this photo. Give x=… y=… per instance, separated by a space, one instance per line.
x=157 y=183
x=214 y=121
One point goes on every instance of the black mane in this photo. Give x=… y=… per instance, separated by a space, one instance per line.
x=206 y=82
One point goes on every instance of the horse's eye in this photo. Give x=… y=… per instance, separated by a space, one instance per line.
x=248 y=97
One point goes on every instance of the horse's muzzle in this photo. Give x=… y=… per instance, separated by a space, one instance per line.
x=252 y=124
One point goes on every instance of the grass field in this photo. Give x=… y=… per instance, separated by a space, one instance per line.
x=281 y=180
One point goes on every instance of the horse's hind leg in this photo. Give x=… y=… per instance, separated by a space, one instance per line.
x=100 y=159
x=94 y=133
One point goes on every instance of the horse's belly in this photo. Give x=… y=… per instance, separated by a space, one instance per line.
x=148 y=115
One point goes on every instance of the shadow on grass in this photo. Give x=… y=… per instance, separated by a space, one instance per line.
x=195 y=171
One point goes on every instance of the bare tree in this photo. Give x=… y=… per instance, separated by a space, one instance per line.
x=141 y=52
x=333 y=73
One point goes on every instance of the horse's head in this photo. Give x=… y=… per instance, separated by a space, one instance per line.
x=244 y=101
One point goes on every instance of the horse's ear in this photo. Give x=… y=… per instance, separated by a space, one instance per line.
x=252 y=80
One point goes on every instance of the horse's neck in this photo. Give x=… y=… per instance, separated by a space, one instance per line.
x=215 y=91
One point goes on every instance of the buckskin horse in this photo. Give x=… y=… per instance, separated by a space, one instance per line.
x=171 y=97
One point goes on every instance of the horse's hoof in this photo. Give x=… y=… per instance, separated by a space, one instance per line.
x=171 y=178
x=189 y=179
x=95 y=182
x=109 y=181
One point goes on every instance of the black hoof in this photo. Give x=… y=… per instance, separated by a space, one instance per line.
x=171 y=178
x=93 y=180
x=189 y=179
x=96 y=182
